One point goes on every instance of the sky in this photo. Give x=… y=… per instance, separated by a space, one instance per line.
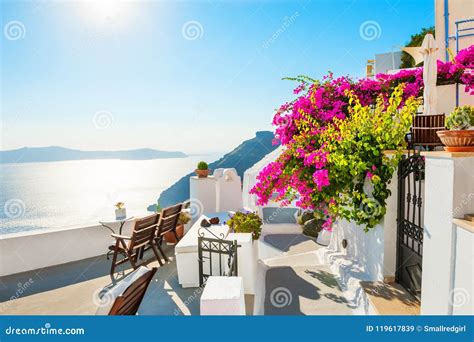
x=193 y=76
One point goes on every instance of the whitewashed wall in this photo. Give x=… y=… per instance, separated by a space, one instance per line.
x=457 y=10
x=462 y=293
x=449 y=194
x=447 y=98
x=372 y=252
x=31 y=250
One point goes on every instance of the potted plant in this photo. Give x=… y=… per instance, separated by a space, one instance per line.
x=184 y=217
x=202 y=170
x=246 y=222
x=120 y=212
x=460 y=134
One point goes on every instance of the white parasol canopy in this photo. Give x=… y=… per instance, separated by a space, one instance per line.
x=415 y=52
x=430 y=74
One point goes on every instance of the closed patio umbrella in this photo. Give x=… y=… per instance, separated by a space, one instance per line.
x=430 y=73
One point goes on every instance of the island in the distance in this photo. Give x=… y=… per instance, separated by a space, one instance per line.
x=56 y=153
x=241 y=158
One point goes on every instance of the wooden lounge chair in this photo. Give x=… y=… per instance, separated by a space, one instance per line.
x=143 y=235
x=168 y=222
x=126 y=296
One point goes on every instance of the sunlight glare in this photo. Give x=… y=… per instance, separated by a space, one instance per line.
x=107 y=12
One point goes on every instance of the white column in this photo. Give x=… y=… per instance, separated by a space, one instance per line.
x=223 y=296
x=449 y=183
x=203 y=192
x=246 y=259
x=228 y=190
x=462 y=300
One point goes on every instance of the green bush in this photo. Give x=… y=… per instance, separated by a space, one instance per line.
x=246 y=223
x=202 y=165
x=461 y=118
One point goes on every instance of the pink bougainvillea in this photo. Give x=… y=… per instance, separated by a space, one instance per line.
x=301 y=122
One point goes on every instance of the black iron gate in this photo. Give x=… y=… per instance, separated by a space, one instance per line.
x=411 y=176
x=216 y=256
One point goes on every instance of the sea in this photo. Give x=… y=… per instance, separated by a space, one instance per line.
x=67 y=194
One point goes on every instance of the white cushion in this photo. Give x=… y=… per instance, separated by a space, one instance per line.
x=108 y=299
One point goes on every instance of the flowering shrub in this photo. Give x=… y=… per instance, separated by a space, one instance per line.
x=325 y=167
x=335 y=133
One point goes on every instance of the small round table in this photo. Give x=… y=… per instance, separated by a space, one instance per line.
x=122 y=222
x=108 y=224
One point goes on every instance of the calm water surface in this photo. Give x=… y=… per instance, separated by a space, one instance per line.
x=79 y=193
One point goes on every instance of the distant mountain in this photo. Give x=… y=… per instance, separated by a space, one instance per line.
x=56 y=153
x=241 y=158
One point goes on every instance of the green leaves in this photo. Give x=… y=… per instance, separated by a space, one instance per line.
x=246 y=223
x=356 y=157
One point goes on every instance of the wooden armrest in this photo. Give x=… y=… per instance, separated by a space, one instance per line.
x=121 y=237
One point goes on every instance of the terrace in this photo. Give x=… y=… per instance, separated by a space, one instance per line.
x=405 y=249
x=73 y=288
x=351 y=275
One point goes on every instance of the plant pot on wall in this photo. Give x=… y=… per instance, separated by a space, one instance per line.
x=202 y=169
x=460 y=137
x=171 y=239
x=457 y=140
x=202 y=173
x=120 y=214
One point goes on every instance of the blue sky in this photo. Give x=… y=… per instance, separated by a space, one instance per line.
x=195 y=76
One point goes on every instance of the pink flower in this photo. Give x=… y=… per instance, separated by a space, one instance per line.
x=301 y=171
x=321 y=178
x=299 y=88
x=328 y=224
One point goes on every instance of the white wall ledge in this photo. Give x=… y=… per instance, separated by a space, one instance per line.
x=464 y=224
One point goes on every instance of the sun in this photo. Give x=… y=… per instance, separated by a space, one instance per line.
x=106 y=7
x=106 y=11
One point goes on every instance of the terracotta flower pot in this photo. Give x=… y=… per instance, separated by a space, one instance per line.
x=202 y=173
x=170 y=238
x=457 y=140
